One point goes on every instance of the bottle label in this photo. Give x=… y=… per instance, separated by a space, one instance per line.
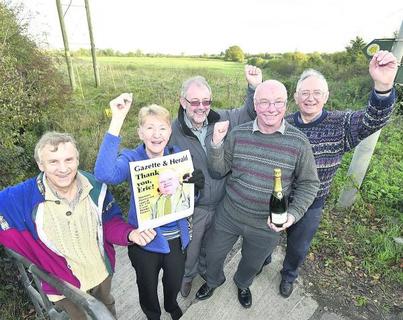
x=279 y=218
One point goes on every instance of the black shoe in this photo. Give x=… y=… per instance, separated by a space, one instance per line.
x=286 y=288
x=185 y=288
x=204 y=292
x=245 y=297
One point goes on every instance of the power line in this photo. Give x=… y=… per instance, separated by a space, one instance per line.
x=71 y=5
x=68 y=7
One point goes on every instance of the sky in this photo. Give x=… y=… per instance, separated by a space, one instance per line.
x=211 y=26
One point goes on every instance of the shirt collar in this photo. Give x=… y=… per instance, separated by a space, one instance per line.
x=83 y=189
x=256 y=127
x=190 y=125
x=314 y=119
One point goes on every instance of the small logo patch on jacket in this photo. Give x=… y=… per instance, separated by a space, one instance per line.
x=4 y=224
x=108 y=206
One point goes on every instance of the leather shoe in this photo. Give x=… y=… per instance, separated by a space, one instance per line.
x=286 y=288
x=245 y=297
x=185 y=288
x=204 y=292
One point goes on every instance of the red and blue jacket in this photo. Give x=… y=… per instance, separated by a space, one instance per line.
x=21 y=209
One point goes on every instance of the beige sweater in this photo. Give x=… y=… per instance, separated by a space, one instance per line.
x=72 y=229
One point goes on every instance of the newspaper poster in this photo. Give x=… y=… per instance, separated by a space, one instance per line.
x=159 y=192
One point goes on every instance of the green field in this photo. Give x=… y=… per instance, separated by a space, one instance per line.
x=151 y=80
x=158 y=80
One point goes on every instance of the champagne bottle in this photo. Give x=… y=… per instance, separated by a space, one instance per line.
x=278 y=203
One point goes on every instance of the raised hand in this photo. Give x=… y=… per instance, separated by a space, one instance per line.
x=120 y=106
x=253 y=75
x=220 y=130
x=143 y=237
x=383 y=68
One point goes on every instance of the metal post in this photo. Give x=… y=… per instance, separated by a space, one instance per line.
x=66 y=45
x=94 y=308
x=363 y=152
x=93 y=52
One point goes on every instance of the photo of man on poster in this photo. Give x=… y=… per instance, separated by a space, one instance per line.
x=172 y=195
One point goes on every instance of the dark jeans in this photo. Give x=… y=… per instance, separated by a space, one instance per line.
x=299 y=238
x=148 y=265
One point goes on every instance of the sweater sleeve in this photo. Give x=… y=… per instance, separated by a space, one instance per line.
x=110 y=167
x=361 y=124
x=219 y=159
x=243 y=114
x=306 y=183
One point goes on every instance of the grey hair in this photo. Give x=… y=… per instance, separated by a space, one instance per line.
x=311 y=73
x=198 y=81
x=53 y=138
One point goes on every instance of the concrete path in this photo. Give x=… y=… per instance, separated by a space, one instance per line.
x=266 y=301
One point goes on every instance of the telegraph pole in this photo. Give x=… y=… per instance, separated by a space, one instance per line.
x=363 y=152
x=93 y=52
x=66 y=46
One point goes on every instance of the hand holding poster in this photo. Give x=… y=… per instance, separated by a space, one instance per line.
x=160 y=194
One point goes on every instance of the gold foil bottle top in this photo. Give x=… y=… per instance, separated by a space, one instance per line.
x=277 y=188
x=277 y=172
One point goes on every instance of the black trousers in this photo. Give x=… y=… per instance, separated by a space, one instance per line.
x=148 y=265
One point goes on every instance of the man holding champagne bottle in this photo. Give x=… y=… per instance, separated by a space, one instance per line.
x=331 y=134
x=249 y=156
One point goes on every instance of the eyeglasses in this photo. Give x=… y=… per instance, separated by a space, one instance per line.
x=264 y=104
x=317 y=94
x=196 y=103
